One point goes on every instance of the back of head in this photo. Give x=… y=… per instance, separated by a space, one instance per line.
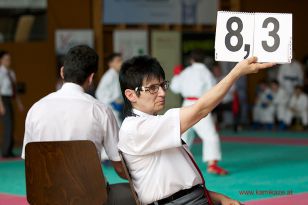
x=275 y=82
x=114 y=61
x=298 y=88
x=79 y=63
x=134 y=71
x=3 y=53
x=197 y=55
x=5 y=58
x=112 y=56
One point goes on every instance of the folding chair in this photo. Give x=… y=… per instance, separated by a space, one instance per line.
x=129 y=179
x=64 y=173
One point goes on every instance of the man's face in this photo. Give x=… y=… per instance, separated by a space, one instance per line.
x=298 y=91
x=274 y=87
x=116 y=63
x=6 y=60
x=149 y=101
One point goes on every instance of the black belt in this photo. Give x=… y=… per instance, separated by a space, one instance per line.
x=6 y=97
x=177 y=195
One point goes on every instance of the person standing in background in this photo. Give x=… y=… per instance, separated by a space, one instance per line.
x=8 y=93
x=229 y=104
x=108 y=90
x=280 y=103
x=298 y=107
x=263 y=110
x=191 y=84
x=290 y=75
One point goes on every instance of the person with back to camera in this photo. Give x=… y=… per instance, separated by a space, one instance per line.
x=71 y=114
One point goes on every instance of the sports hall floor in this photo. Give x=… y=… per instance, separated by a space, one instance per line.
x=268 y=168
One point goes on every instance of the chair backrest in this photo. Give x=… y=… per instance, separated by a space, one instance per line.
x=63 y=173
x=129 y=179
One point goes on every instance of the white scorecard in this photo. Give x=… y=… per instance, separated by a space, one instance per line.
x=267 y=36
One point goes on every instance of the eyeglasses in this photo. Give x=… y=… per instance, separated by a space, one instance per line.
x=154 y=88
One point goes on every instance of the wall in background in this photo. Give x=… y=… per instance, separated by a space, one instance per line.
x=35 y=62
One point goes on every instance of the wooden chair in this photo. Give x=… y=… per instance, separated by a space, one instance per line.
x=64 y=173
x=129 y=179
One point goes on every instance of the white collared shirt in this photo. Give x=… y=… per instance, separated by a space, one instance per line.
x=194 y=81
x=6 y=88
x=108 y=89
x=71 y=114
x=156 y=159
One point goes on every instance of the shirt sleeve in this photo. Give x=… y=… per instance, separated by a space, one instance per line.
x=28 y=134
x=149 y=134
x=111 y=136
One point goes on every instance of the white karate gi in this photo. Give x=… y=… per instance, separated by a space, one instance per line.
x=193 y=82
x=263 y=111
x=280 y=102
x=300 y=104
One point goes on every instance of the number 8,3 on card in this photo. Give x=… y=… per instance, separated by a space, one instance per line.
x=265 y=35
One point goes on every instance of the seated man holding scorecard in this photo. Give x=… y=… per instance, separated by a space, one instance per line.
x=162 y=168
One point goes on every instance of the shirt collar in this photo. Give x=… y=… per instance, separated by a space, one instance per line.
x=72 y=87
x=198 y=64
x=140 y=113
x=2 y=67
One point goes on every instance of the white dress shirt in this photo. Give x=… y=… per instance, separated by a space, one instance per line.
x=156 y=159
x=71 y=114
x=6 y=87
x=193 y=81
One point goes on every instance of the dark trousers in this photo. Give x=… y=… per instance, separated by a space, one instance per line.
x=194 y=198
x=120 y=194
x=8 y=127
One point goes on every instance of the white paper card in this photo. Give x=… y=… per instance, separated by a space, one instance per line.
x=266 y=35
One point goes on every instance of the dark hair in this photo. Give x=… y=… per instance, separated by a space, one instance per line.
x=79 y=63
x=3 y=53
x=275 y=82
x=197 y=55
x=132 y=74
x=298 y=87
x=112 y=56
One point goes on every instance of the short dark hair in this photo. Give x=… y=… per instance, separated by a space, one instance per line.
x=298 y=87
x=112 y=56
x=132 y=74
x=275 y=82
x=79 y=63
x=3 y=53
x=197 y=55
